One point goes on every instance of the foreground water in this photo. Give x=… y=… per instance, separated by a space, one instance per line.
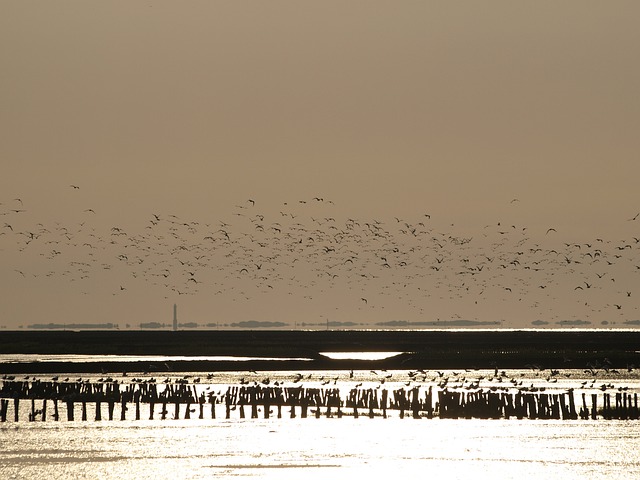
x=333 y=447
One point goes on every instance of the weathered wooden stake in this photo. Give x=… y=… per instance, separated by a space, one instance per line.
x=4 y=404
x=98 y=411
x=415 y=402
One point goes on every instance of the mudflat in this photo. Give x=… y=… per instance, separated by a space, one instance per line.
x=426 y=349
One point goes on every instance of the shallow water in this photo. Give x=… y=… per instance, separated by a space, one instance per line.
x=319 y=448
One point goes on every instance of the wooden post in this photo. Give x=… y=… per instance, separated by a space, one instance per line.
x=355 y=403
x=606 y=409
x=292 y=395
x=429 y=401
x=213 y=406
x=56 y=415
x=415 y=403
x=317 y=402
x=3 y=409
x=44 y=410
x=572 y=406
x=187 y=414
x=563 y=407
x=267 y=402
x=303 y=404
x=163 y=413
x=254 y=403
x=70 y=411
x=594 y=405
x=110 y=405
x=84 y=411
x=137 y=409
x=176 y=414
x=123 y=411
x=32 y=415
x=401 y=401
x=383 y=402
x=627 y=404
x=370 y=401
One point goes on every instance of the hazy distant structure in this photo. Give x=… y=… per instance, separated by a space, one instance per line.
x=175 y=317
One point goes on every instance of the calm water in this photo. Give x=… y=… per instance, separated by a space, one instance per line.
x=331 y=447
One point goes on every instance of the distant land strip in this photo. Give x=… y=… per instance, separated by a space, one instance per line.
x=256 y=324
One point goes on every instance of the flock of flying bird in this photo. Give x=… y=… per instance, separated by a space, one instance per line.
x=345 y=269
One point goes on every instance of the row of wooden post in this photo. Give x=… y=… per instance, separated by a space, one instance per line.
x=449 y=404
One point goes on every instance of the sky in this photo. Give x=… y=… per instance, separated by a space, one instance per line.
x=435 y=122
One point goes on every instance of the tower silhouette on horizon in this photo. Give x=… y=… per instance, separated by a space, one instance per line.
x=175 y=317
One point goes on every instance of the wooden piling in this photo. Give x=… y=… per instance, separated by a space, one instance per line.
x=110 y=408
x=383 y=403
x=304 y=402
x=415 y=402
x=4 y=406
x=56 y=415
x=98 y=411
x=69 y=411
x=428 y=402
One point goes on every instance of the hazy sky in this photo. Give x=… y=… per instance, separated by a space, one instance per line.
x=388 y=109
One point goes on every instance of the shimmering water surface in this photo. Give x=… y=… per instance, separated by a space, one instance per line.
x=332 y=447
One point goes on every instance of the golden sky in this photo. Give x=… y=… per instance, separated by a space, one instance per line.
x=384 y=109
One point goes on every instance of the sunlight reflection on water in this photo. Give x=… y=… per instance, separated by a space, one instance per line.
x=316 y=448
